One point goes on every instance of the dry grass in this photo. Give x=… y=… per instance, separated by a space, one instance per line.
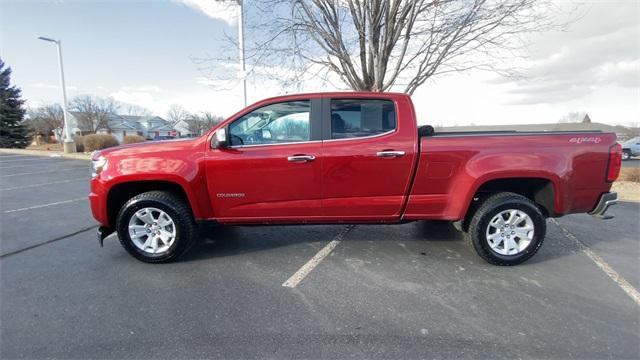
x=630 y=174
x=46 y=147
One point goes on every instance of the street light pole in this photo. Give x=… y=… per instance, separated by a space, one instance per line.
x=68 y=145
x=241 y=49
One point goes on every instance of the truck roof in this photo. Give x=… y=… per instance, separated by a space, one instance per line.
x=334 y=94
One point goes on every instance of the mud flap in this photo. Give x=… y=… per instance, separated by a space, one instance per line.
x=103 y=232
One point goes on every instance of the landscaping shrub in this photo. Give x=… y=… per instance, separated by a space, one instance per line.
x=95 y=142
x=131 y=139
x=79 y=140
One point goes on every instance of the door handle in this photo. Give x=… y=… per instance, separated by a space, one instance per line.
x=390 y=154
x=301 y=158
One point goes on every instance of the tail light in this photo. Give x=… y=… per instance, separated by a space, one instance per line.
x=615 y=162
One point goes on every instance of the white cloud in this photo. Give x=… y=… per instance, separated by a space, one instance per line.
x=139 y=98
x=142 y=88
x=225 y=10
x=598 y=51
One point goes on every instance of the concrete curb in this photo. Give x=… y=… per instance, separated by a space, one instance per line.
x=77 y=156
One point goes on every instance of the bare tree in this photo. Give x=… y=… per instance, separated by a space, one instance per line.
x=573 y=117
x=377 y=45
x=199 y=124
x=134 y=110
x=177 y=113
x=634 y=129
x=44 y=120
x=92 y=112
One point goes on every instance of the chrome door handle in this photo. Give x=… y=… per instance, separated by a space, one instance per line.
x=390 y=154
x=301 y=158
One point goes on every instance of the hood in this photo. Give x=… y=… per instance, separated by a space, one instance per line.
x=148 y=147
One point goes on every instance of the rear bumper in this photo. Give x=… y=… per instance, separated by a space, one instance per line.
x=606 y=200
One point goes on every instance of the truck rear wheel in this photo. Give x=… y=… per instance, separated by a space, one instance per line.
x=155 y=227
x=507 y=229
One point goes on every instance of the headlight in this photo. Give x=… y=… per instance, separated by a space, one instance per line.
x=98 y=165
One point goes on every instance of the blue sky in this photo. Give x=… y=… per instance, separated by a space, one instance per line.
x=107 y=46
x=140 y=52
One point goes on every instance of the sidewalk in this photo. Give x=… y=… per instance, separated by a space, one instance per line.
x=49 y=153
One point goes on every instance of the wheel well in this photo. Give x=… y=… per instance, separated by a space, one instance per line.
x=121 y=193
x=538 y=190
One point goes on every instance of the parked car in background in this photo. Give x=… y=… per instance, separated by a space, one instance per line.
x=163 y=137
x=351 y=158
x=631 y=148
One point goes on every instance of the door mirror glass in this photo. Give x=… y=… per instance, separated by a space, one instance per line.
x=220 y=139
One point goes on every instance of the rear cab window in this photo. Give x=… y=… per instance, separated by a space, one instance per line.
x=354 y=118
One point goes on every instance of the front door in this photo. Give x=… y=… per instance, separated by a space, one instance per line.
x=368 y=158
x=271 y=172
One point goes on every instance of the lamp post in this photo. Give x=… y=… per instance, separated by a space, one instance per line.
x=241 y=49
x=68 y=145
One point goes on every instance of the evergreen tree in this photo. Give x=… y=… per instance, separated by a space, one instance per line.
x=13 y=133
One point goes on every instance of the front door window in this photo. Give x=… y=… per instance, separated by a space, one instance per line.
x=286 y=122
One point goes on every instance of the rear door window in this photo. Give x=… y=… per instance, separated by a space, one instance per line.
x=353 y=118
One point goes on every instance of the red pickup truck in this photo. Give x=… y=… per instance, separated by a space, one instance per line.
x=350 y=158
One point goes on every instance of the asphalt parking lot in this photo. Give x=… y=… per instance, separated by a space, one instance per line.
x=396 y=291
x=632 y=163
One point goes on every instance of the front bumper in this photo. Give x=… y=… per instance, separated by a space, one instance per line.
x=606 y=200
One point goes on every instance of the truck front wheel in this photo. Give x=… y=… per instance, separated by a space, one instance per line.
x=507 y=229
x=156 y=226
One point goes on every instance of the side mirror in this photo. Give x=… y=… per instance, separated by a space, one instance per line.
x=220 y=139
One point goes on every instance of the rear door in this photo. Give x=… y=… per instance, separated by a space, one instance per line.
x=272 y=169
x=369 y=150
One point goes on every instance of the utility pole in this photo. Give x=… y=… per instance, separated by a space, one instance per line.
x=241 y=49
x=68 y=145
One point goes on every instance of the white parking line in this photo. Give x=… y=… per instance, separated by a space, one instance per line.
x=45 y=172
x=45 y=205
x=606 y=268
x=20 y=160
x=296 y=278
x=39 y=185
x=14 y=156
x=30 y=165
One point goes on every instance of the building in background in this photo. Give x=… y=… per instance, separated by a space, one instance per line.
x=122 y=125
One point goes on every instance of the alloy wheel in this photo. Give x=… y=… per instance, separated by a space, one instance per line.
x=510 y=232
x=152 y=230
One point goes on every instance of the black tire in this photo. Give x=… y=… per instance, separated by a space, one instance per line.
x=626 y=154
x=492 y=206
x=177 y=210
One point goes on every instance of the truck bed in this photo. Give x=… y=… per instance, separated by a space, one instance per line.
x=453 y=166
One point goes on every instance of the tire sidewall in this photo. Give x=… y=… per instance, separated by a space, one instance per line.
x=122 y=226
x=539 y=224
x=626 y=154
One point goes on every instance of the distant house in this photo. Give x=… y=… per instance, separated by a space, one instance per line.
x=123 y=125
x=183 y=128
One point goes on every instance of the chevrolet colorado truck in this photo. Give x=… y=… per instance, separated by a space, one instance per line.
x=355 y=158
